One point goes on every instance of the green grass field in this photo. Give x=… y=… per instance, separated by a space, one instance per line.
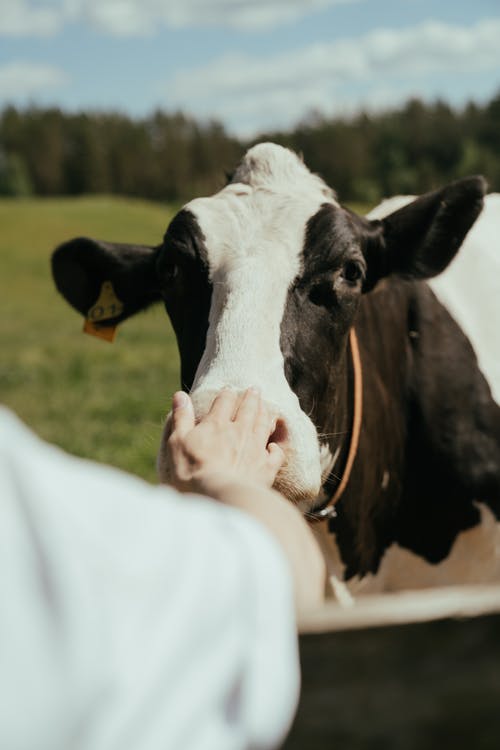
x=95 y=399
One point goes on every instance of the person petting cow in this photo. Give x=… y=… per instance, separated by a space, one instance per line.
x=144 y=617
x=140 y=617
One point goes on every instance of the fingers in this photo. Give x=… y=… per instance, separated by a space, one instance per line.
x=248 y=409
x=265 y=423
x=253 y=414
x=182 y=414
x=276 y=457
x=224 y=405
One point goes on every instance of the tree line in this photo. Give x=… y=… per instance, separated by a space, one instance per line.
x=173 y=157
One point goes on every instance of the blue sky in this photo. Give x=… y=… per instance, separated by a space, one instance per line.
x=254 y=65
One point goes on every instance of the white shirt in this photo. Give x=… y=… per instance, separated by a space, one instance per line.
x=134 y=617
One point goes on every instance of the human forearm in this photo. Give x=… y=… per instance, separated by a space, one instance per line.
x=284 y=522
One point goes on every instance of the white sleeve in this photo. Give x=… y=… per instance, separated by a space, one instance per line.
x=133 y=617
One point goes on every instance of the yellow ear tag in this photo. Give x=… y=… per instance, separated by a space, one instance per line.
x=106 y=306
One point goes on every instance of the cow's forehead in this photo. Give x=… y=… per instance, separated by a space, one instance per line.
x=272 y=167
x=262 y=213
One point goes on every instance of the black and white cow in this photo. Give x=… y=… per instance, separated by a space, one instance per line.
x=263 y=282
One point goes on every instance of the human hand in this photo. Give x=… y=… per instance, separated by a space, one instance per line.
x=231 y=442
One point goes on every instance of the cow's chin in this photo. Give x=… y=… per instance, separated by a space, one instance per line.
x=299 y=480
x=304 y=498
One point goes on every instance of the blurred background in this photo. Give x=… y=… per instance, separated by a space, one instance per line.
x=115 y=112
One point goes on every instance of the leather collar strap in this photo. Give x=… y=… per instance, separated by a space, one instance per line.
x=328 y=510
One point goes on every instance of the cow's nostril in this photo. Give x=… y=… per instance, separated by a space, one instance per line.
x=280 y=434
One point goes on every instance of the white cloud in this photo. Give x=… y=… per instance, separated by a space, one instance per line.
x=141 y=17
x=241 y=14
x=22 y=18
x=251 y=92
x=19 y=80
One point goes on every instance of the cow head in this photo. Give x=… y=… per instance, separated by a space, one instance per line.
x=262 y=282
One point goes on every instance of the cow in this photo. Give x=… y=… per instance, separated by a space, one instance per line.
x=380 y=404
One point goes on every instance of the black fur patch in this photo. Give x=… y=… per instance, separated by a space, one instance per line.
x=186 y=289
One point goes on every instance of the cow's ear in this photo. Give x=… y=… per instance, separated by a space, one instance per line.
x=107 y=282
x=419 y=240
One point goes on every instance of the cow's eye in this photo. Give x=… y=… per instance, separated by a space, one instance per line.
x=352 y=272
x=322 y=294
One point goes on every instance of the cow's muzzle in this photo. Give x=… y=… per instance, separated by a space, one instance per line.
x=299 y=478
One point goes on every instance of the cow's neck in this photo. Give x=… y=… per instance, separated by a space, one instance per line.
x=400 y=490
x=367 y=512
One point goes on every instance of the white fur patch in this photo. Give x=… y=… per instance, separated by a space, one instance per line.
x=327 y=459
x=254 y=233
x=473 y=559
x=470 y=289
